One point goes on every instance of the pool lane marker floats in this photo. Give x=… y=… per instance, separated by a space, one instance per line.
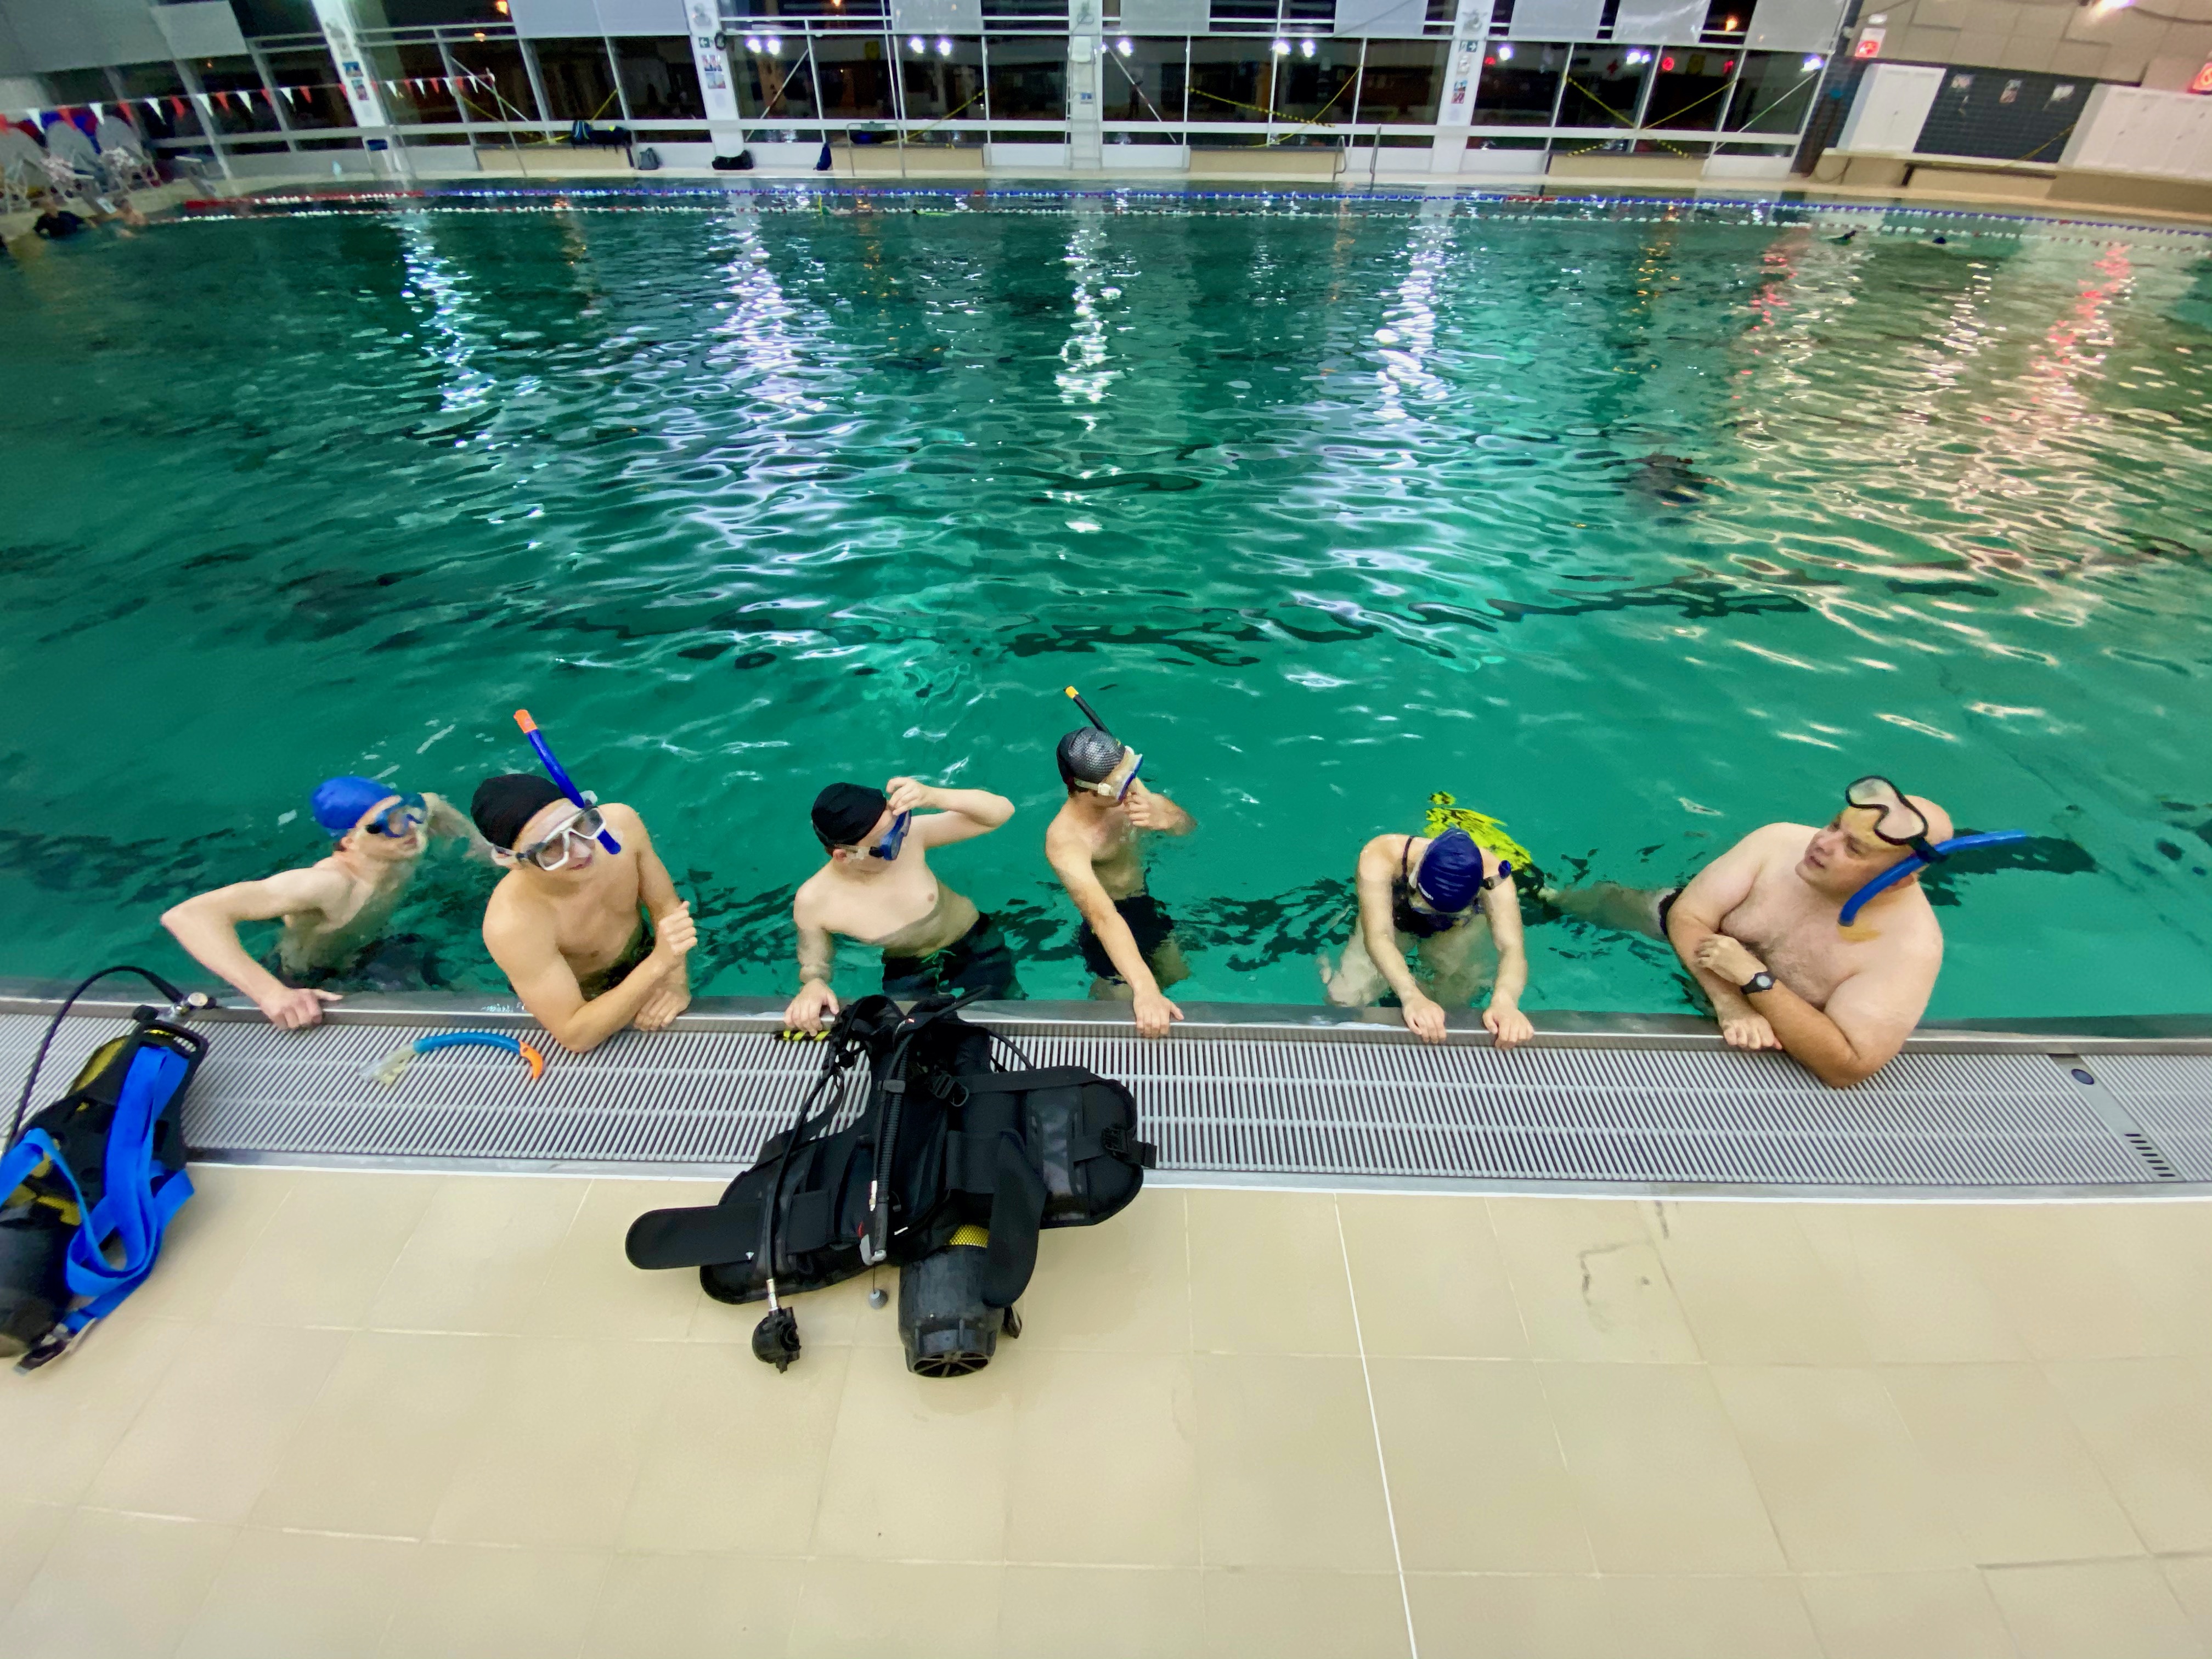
x=800 y=196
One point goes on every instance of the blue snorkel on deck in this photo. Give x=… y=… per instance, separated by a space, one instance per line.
x=1917 y=862
x=559 y=775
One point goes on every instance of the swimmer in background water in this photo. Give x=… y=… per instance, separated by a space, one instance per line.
x=877 y=887
x=1759 y=928
x=568 y=923
x=1450 y=903
x=1095 y=846
x=333 y=912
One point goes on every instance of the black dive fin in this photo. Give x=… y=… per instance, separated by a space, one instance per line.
x=709 y=1235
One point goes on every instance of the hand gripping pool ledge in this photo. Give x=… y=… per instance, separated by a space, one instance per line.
x=1916 y=862
x=559 y=775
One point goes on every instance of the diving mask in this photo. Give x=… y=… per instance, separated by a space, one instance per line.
x=556 y=850
x=893 y=838
x=1114 y=785
x=402 y=819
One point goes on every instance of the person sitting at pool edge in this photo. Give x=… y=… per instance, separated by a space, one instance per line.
x=568 y=923
x=1759 y=928
x=877 y=887
x=333 y=912
x=1094 y=846
x=1450 y=903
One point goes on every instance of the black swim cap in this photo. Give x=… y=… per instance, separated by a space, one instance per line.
x=1088 y=755
x=844 y=813
x=503 y=805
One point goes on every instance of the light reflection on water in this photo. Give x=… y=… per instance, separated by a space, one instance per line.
x=1632 y=530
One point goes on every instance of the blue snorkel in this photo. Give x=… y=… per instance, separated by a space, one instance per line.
x=560 y=777
x=894 y=837
x=1919 y=861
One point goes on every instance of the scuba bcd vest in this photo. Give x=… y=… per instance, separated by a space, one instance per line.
x=88 y=1185
x=948 y=1171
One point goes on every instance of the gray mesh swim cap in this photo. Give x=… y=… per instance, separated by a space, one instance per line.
x=1089 y=756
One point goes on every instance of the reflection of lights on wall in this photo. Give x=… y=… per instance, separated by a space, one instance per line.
x=1125 y=45
x=1813 y=61
x=1505 y=52
x=1638 y=56
x=914 y=43
x=943 y=48
x=1282 y=48
x=499 y=6
x=1305 y=48
x=1731 y=26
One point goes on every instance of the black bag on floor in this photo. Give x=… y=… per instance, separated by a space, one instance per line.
x=967 y=1149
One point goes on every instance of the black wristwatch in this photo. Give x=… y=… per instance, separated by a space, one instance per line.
x=1761 y=981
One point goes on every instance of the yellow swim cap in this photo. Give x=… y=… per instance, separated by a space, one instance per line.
x=1485 y=831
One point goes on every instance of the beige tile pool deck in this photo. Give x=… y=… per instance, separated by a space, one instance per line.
x=425 y=1415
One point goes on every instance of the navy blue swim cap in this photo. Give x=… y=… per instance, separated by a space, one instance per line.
x=338 y=803
x=1449 y=875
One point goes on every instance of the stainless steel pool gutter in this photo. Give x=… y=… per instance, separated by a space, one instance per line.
x=1247 y=1094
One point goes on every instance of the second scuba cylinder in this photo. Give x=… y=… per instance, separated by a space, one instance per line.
x=945 y=1325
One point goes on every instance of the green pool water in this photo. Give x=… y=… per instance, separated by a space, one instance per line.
x=1634 y=526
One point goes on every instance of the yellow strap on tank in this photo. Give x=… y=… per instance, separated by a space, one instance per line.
x=1485 y=831
x=972 y=1236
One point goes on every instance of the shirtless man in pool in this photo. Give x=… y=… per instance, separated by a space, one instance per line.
x=877 y=887
x=1759 y=928
x=333 y=911
x=567 y=924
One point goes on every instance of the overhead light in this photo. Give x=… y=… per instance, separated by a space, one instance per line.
x=943 y=48
x=1305 y=48
x=775 y=44
x=753 y=43
x=1813 y=61
x=1282 y=47
x=1125 y=45
x=914 y=43
x=1505 y=52
x=1732 y=26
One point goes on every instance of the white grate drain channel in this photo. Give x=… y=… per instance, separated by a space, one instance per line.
x=1242 y=1105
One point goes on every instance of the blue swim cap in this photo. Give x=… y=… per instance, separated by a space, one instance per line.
x=338 y=803
x=1449 y=875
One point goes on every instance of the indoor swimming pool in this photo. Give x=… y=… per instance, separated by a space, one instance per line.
x=1635 y=524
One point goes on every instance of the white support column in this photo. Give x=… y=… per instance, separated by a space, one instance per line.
x=341 y=31
x=1084 y=52
x=1463 y=74
x=717 y=83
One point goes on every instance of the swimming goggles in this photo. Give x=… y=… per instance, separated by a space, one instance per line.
x=402 y=819
x=894 y=838
x=1426 y=906
x=554 y=851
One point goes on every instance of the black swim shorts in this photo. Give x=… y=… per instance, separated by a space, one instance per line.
x=1149 y=922
x=979 y=960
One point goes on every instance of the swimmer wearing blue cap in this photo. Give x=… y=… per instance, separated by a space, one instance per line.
x=1816 y=941
x=1454 y=906
x=334 y=911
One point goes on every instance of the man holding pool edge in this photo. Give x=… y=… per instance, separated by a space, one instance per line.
x=876 y=886
x=567 y=923
x=333 y=911
x=1760 y=927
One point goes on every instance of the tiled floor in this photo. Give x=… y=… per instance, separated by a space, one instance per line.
x=421 y=1416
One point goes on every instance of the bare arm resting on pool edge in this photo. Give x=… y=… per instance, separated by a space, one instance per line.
x=207 y=926
x=1070 y=861
x=524 y=939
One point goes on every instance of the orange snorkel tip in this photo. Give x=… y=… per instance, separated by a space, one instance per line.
x=532 y=1058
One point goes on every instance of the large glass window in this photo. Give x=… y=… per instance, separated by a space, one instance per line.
x=942 y=84
x=1402 y=81
x=1519 y=84
x=1143 y=80
x=1603 y=83
x=234 y=89
x=1774 y=92
x=1029 y=77
x=1230 y=79
x=1321 y=87
x=1689 y=88
x=658 y=77
x=411 y=78
x=307 y=82
x=500 y=87
x=773 y=81
x=580 y=81
x=855 y=75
